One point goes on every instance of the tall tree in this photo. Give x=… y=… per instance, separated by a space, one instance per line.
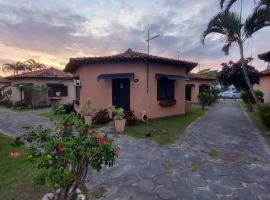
x=232 y=74
x=32 y=65
x=14 y=67
x=229 y=25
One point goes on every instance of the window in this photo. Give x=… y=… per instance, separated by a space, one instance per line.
x=57 y=90
x=165 y=89
x=188 y=92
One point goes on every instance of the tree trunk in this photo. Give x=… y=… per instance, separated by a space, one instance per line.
x=240 y=44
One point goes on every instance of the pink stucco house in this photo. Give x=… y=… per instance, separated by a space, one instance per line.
x=59 y=87
x=265 y=77
x=132 y=80
x=197 y=83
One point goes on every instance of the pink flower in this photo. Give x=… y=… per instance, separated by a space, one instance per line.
x=101 y=139
x=116 y=154
x=15 y=154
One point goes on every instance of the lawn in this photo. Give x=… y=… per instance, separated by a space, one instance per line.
x=164 y=131
x=16 y=174
x=256 y=120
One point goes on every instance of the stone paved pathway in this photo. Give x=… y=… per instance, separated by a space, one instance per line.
x=12 y=122
x=148 y=171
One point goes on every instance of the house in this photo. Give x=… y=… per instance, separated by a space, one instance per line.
x=265 y=78
x=195 y=84
x=4 y=82
x=264 y=84
x=42 y=87
x=132 y=80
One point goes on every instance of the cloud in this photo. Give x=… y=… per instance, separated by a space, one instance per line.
x=55 y=31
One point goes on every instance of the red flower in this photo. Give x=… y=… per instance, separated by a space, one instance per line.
x=116 y=154
x=101 y=139
x=15 y=154
x=60 y=149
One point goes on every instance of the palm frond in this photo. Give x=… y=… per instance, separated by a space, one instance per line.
x=227 y=4
x=225 y=23
x=259 y=19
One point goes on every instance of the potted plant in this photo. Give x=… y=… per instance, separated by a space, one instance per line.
x=119 y=120
x=87 y=111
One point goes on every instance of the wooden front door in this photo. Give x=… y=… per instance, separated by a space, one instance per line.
x=121 y=93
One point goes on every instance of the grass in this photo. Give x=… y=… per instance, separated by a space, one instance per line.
x=16 y=174
x=214 y=154
x=256 y=120
x=51 y=115
x=164 y=131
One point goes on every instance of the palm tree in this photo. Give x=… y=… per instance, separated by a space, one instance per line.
x=229 y=25
x=32 y=65
x=14 y=67
x=259 y=19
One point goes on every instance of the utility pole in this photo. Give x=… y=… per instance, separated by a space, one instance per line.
x=148 y=51
x=178 y=55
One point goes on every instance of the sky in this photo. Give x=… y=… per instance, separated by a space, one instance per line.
x=52 y=31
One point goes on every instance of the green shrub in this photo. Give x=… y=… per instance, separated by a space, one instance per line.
x=264 y=113
x=205 y=98
x=102 y=117
x=244 y=96
x=131 y=117
x=258 y=93
x=6 y=103
x=66 y=152
x=58 y=109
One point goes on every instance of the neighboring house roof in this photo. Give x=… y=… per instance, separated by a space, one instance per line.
x=127 y=56
x=265 y=56
x=193 y=76
x=49 y=73
x=265 y=72
x=4 y=80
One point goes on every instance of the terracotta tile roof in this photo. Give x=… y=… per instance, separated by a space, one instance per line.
x=49 y=73
x=127 y=56
x=4 y=80
x=265 y=56
x=265 y=72
x=193 y=76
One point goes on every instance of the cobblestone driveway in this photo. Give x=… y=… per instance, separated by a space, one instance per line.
x=147 y=171
x=12 y=122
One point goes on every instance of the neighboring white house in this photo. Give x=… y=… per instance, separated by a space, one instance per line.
x=50 y=86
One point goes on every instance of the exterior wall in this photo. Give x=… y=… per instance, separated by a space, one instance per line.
x=101 y=91
x=265 y=87
x=195 y=87
x=16 y=94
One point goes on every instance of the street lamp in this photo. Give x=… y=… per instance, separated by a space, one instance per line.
x=148 y=50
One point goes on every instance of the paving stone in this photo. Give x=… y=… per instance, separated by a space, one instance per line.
x=146 y=170
x=165 y=193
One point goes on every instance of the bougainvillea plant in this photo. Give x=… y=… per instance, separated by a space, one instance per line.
x=65 y=153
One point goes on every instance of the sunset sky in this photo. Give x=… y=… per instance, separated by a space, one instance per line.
x=52 y=31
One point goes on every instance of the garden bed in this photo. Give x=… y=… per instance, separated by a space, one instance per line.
x=165 y=131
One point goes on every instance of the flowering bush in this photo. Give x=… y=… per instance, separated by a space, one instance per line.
x=64 y=154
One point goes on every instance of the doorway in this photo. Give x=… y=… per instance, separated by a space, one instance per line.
x=121 y=93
